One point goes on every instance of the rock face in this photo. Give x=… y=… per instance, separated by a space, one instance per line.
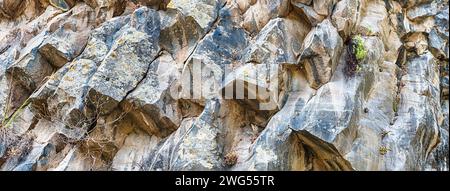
x=224 y=85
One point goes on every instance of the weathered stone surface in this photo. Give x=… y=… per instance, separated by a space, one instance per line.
x=439 y=158
x=25 y=76
x=79 y=71
x=261 y=12
x=204 y=12
x=67 y=101
x=275 y=148
x=333 y=113
x=310 y=13
x=373 y=18
x=438 y=36
x=132 y=154
x=11 y=8
x=408 y=4
x=228 y=43
x=151 y=102
x=421 y=87
x=320 y=53
x=126 y=63
x=323 y=7
x=192 y=147
x=66 y=42
x=374 y=126
x=279 y=42
x=256 y=86
x=416 y=42
x=424 y=10
x=345 y=16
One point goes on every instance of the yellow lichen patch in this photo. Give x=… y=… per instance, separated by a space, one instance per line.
x=68 y=78
x=383 y=150
x=171 y=5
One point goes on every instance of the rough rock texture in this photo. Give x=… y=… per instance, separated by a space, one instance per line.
x=224 y=85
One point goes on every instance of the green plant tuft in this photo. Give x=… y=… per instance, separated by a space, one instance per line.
x=359 y=49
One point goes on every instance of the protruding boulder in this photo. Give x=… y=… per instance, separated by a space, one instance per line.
x=203 y=72
x=26 y=75
x=279 y=42
x=438 y=36
x=153 y=103
x=345 y=16
x=421 y=11
x=96 y=49
x=193 y=146
x=256 y=87
x=126 y=64
x=261 y=12
x=323 y=7
x=320 y=53
x=204 y=12
x=67 y=102
x=68 y=40
x=310 y=13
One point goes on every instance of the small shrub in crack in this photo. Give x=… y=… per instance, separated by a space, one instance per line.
x=356 y=53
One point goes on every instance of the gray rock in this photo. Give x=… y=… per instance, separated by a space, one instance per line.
x=67 y=102
x=114 y=85
x=411 y=3
x=151 y=102
x=126 y=64
x=180 y=34
x=192 y=147
x=279 y=42
x=256 y=86
x=101 y=39
x=320 y=53
x=333 y=112
x=25 y=75
x=261 y=12
x=438 y=159
x=374 y=124
x=29 y=71
x=228 y=42
x=415 y=131
x=323 y=7
x=438 y=36
x=310 y=13
x=204 y=12
x=345 y=16
x=97 y=47
x=424 y=10
x=132 y=154
x=67 y=42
